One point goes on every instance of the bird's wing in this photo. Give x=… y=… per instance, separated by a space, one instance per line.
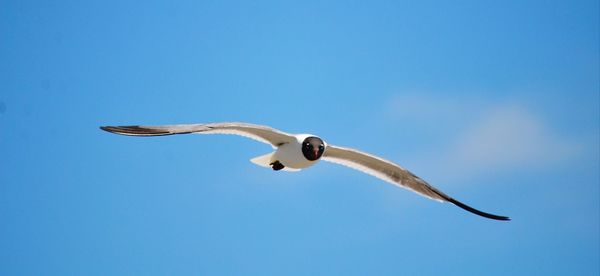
x=393 y=173
x=259 y=133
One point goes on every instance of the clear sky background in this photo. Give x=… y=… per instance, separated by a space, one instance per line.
x=494 y=102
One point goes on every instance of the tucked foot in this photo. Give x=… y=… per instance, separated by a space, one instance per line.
x=277 y=166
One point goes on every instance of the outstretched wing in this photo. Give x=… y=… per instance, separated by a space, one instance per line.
x=259 y=133
x=393 y=173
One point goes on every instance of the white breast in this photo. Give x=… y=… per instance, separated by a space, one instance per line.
x=290 y=154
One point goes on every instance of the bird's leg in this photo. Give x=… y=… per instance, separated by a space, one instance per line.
x=277 y=166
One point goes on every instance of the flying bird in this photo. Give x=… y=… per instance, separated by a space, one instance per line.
x=293 y=152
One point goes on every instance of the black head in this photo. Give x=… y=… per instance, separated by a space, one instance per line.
x=313 y=148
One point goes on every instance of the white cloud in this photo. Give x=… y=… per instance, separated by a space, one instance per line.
x=426 y=108
x=508 y=137
x=484 y=137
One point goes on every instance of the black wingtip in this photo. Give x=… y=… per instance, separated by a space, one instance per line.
x=105 y=128
x=110 y=129
x=475 y=211
x=135 y=131
x=469 y=208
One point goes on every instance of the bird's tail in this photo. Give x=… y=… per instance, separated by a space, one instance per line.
x=266 y=161
x=263 y=160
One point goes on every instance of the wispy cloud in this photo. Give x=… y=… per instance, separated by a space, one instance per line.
x=508 y=137
x=488 y=137
x=424 y=107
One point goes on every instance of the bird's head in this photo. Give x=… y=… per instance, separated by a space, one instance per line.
x=313 y=148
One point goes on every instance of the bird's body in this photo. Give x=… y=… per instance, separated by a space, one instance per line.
x=299 y=151
x=290 y=155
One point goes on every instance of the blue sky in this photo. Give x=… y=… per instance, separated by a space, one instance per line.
x=495 y=103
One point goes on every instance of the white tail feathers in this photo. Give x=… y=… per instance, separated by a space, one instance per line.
x=266 y=161
x=263 y=160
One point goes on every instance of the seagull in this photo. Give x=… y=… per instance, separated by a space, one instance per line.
x=293 y=152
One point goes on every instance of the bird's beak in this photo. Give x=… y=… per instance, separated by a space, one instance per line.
x=316 y=151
